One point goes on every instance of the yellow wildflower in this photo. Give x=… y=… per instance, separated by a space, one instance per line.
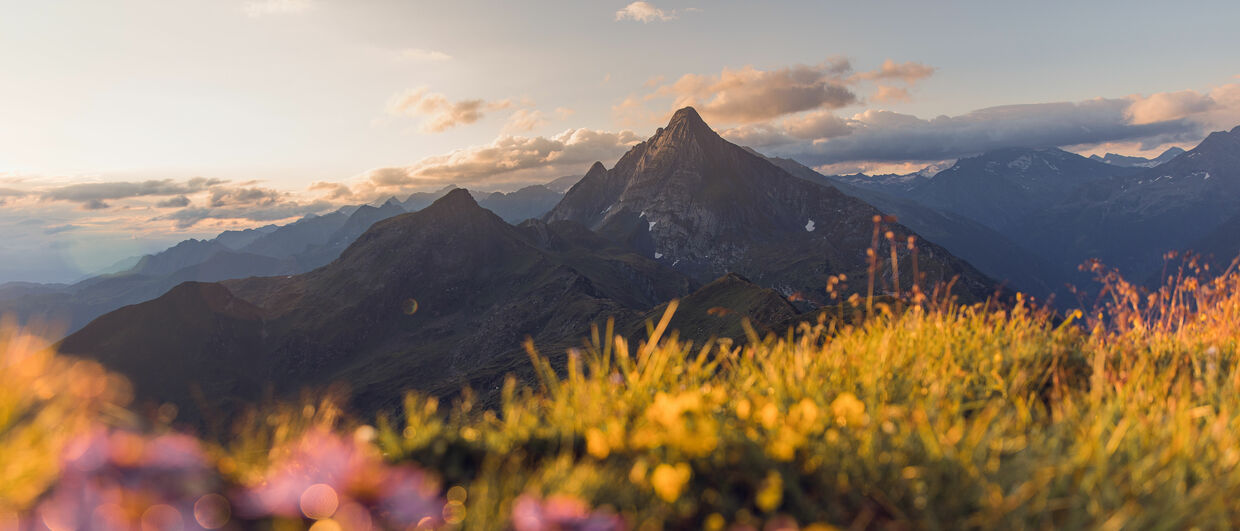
x=637 y=474
x=596 y=443
x=771 y=492
x=803 y=414
x=848 y=410
x=769 y=416
x=669 y=481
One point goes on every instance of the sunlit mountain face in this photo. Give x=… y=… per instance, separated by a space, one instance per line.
x=664 y=264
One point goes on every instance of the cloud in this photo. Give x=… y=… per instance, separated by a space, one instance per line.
x=885 y=136
x=524 y=120
x=11 y=193
x=332 y=191
x=422 y=56
x=1168 y=106
x=179 y=201
x=94 y=196
x=439 y=113
x=749 y=94
x=645 y=12
x=910 y=72
x=817 y=125
x=259 y=8
x=507 y=160
x=188 y=217
x=60 y=228
x=889 y=94
x=237 y=196
x=1219 y=108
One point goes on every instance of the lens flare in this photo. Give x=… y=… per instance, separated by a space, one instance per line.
x=212 y=511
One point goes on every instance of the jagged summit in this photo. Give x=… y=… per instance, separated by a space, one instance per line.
x=688 y=118
x=685 y=128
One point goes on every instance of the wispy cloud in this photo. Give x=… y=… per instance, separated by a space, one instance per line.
x=524 y=120
x=909 y=72
x=645 y=12
x=265 y=212
x=438 y=112
x=259 y=8
x=94 y=196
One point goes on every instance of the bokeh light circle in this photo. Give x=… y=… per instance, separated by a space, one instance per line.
x=212 y=511
x=319 y=501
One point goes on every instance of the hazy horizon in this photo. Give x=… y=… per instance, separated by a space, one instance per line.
x=131 y=126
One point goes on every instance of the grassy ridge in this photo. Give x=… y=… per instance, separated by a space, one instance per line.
x=936 y=416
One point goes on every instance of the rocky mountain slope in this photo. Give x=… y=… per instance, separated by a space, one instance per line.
x=1131 y=221
x=706 y=207
x=994 y=254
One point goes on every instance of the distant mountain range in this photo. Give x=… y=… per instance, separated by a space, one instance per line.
x=443 y=297
x=991 y=252
x=438 y=291
x=298 y=247
x=1138 y=162
x=1131 y=219
x=1048 y=211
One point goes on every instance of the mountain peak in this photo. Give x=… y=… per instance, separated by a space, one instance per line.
x=686 y=115
x=597 y=167
x=686 y=128
x=455 y=201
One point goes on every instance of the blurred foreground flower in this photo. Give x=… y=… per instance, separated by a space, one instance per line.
x=561 y=513
x=45 y=401
x=113 y=479
x=326 y=477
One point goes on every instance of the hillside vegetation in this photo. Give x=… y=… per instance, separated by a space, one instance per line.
x=932 y=416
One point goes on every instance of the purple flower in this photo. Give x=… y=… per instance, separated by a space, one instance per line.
x=561 y=513
x=114 y=479
x=323 y=473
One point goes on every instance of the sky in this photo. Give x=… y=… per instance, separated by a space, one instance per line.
x=128 y=125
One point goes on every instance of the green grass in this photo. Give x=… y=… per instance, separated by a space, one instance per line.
x=937 y=416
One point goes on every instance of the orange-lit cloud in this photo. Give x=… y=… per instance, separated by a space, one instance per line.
x=749 y=94
x=1219 y=108
x=332 y=191
x=889 y=94
x=1168 y=106
x=507 y=160
x=439 y=113
x=909 y=72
